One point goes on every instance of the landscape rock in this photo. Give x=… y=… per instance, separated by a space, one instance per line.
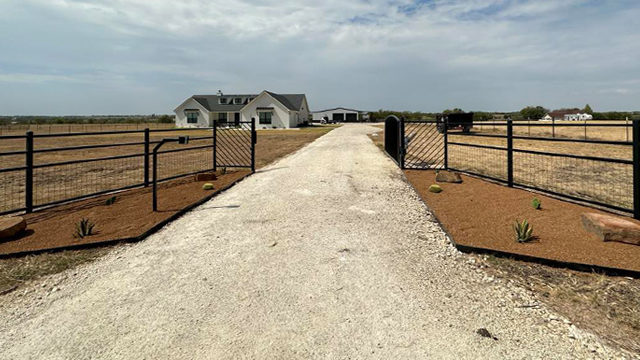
x=206 y=177
x=11 y=226
x=612 y=228
x=435 y=188
x=448 y=177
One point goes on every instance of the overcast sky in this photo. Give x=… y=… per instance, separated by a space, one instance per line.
x=146 y=56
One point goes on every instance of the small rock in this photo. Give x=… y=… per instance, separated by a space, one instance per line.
x=435 y=188
x=485 y=333
x=448 y=177
x=273 y=243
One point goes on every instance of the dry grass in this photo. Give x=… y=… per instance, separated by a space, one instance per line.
x=272 y=145
x=607 y=306
x=19 y=129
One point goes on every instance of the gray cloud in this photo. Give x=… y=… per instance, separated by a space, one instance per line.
x=138 y=56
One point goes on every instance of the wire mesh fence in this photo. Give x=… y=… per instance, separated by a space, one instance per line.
x=599 y=170
x=46 y=169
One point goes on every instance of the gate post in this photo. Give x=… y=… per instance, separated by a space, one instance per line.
x=510 y=152
x=28 y=191
x=636 y=169
x=254 y=140
x=445 y=140
x=215 y=145
x=146 y=157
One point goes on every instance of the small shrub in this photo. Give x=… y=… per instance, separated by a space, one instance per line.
x=223 y=171
x=110 y=201
x=536 y=203
x=207 y=186
x=84 y=228
x=524 y=231
x=435 y=188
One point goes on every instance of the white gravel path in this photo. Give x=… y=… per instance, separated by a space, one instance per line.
x=327 y=253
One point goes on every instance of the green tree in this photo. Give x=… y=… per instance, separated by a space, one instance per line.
x=587 y=109
x=533 y=112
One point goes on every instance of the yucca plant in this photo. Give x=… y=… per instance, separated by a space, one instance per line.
x=84 y=228
x=524 y=231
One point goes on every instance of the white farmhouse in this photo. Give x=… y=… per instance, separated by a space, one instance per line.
x=270 y=110
x=547 y=118
x=340 y=114
x=578 y=117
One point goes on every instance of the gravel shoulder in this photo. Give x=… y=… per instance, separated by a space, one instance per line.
x=327 y=253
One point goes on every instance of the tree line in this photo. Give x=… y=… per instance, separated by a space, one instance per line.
x=115 y=119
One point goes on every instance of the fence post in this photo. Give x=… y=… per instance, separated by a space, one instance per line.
x=215 y=145
x=402 y=143
x=28 y=191
x=553 y=127
x=510 y=152
x=254 y=140
x=445 y=139
x=636 y=169
x=146 y=157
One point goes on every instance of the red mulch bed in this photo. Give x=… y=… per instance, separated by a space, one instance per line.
x=128 y=218
x=481 y=214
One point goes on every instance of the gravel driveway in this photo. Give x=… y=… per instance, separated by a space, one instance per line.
x=327 y=253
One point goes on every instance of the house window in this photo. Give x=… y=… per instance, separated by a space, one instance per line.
x=265 y=118
x=237 y=101
x=192 y=118
x=223 y=100
x=222 y=117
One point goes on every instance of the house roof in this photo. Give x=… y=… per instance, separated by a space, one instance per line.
x=337 y=108
x=212 y=102
x=563 y=112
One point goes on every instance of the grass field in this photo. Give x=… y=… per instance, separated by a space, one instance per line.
x=550 y=129
x=67 y=181
x=20 y=129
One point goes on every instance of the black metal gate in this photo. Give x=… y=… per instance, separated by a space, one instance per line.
x=424 y=145
x=415 y=144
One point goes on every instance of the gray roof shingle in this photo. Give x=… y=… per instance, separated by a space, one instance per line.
x=212 y=102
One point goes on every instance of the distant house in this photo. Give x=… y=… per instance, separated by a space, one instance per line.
x=578 y=117
x=340 y=114
x=270 y=110
x=547 y=118
x=560 y=114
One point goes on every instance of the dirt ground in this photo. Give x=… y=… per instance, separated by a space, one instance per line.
x=557 y=225
x=54 y=227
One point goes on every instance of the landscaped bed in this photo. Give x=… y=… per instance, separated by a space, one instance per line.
x=129 y=218
x=481 y=214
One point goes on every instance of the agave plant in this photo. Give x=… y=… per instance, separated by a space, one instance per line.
x=524 y=231
x=536 y=204
x=84 y=228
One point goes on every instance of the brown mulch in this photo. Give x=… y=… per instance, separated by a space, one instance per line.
x=481 y=214
x=129 y=217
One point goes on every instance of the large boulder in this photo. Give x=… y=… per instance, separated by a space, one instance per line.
x=11 y=226
x=612 y=228
x=448 y=177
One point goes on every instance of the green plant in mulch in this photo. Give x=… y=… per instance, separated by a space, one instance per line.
x=110 y=201
x=524 y=231
x=84 y=228
x=435 y=188
x=536 y=204
x=223 y=171
x=207 y=186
